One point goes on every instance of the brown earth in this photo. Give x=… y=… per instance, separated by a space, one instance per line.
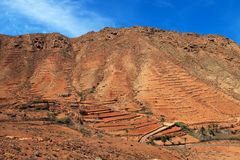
x=123 y=83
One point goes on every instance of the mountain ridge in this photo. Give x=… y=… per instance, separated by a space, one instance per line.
x=203 y=57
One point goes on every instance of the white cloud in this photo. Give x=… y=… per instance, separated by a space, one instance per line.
x=66 y=16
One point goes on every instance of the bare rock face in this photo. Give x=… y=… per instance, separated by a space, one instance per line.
x=159 y=70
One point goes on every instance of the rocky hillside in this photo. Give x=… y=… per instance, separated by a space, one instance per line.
x=135 y=84
x=167 y=73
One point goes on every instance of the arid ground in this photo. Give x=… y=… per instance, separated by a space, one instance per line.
x=130 y=93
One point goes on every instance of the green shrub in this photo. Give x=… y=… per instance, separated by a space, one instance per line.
x=164 y=139
x=183 y=126
x=51 y=116
x=180 y=124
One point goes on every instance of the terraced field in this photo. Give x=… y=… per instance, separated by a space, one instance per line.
x=173 y=92
x=131 y=125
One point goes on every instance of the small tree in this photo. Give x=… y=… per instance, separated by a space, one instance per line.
x=202 y=131
x=164 y=139
x=185 y=140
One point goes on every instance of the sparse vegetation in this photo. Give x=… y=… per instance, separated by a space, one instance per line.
x=85 y=132
x=162 y=118
x=100 y=134
x=84 y=93
x=92 y=90
x=81 y=95
x=132 y=86
x=180 y=124
x=83 y=112
x=51 y=116
x=214 y=132
x=146 y=111
x=183 y=126
x=164 y=139
x=63 y=120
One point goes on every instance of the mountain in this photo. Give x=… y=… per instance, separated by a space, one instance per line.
x=127 y=82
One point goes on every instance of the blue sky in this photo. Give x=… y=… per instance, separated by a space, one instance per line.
x=76 y=17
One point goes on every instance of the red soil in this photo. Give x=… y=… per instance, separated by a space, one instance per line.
x=125 y=79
